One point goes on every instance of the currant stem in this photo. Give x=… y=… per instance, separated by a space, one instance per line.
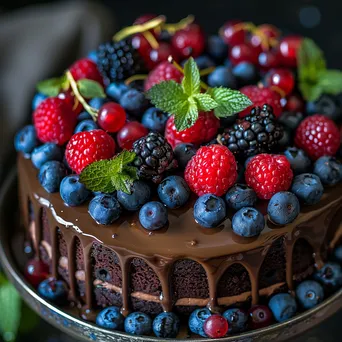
x=207 y=71
x=173 y=28
x=137 y=77
x=92 y=111
x=151 y=39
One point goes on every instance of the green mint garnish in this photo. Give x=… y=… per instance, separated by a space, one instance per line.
x=314 y=77
x=90 y=89
x=110 y=175
x=185 y=100
x=53 y=86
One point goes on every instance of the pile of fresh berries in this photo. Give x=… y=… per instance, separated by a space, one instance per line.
x=163 y=111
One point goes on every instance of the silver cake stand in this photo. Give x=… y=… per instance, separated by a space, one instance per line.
x=76 y=327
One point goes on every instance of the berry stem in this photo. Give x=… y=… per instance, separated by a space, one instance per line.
x=151 y=39
x=182 y=24
x=73 y=84
x=137 y=77
x=207 y=71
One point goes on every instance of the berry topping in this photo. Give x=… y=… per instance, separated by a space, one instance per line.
x=154 y=156
x=281 y=79
x=153 y=57
x=308 y=188
x=329 y=170
x=243 y=53
x=51 y=174
x=111 y=117
x=237 y=320
x=291 y=120
x=138 y=323
x=104 y=209
x=86 y=126
x=116 y=90
x=36 y=271
x=298 y=159
x=309 y=293
x=54 y=121
x=288 y=49
x=166 y=325
x=283 y=208
x=283 y=306
x=129 y=133
x=197 y=319
x=139 y=195
x=245 y=73
x=26 y=140
x=248 y=222
x=215 y=326
x=260 y=316
x=85 y=148
x=38 y=98
x=110 y=318
x=330 y=276
x=54 y=290
x=46 y=152
x=268 y=174
x=212 y=170
x=85 y=68
x=134 y=102
x=239 y=196
x=328 y=105
x=184 y=152
x=73 y=192
x=222 y=77
x=209 y=210
x=268 y=60
x=155 y=120
x=217 y=48
x=232 y=34
x=173 y=191
x=153 y=216
x=318 y=136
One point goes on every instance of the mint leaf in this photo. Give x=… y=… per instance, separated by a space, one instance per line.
x=10 y=313
x=90 y=89
x=110 y=175
x=186 y=117
x=168 y=96
x=330 y=81
x=53 y=86
x=229 y=101
x=191 y=82
x=205 y=102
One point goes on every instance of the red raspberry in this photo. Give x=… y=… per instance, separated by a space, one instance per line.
x=212 y=170
x=86 y=68
x=204 y=129
x=318 y=136
x=164 y=71
x=54 y=121
x=85 y=148
x=268 y=174
x=260 y=96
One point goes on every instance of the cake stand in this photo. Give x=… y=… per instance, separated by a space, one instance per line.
x=76 y=327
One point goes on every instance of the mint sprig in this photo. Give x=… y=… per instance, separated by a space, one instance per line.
x=110 y=175
x=314 y=77
x=185 y=100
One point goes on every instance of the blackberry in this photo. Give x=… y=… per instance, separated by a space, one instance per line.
x=118 y=60
x=154 y=157
x=256 y=133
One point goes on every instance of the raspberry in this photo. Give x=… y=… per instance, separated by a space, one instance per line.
x=204 y=129
x=86 y=68
x=54 y=121
x=212 y=170
x=318 y=136
x=164 y=71
x=261 y=96
x=85 y=148
x=268 y=174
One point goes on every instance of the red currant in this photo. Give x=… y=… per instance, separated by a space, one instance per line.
x=281 y=78
x=231 y=35
x=140 y=43
x=36 y=271
x=189 y=41
x=243 y=53
x=144 y=18
x=70 y=100
x=155 y=56
x=129 y=133
x=215 y=326
x=260 y=316
x=294 y=103
x=269 y=30
x=268 y=60
x=288 y=48
x=111 y=117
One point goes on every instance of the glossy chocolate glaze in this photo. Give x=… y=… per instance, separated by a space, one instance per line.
x=215 y=249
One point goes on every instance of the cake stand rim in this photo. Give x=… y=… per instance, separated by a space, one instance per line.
x=90 y=332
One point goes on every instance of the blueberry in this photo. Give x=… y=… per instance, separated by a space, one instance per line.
x=291 y=120
x=330 y=276
x=140 y=194
x=209 y=210
x=308 y=188
x=104 y=209
x=53 y=290
x=217 y=48
x=204 y=62
x=153 y=215
x=84 y=116
x=222 y=77
x=248 y=222
x=138 y=323
x=73 y=192
x=86 y=126
x=283 y=207
x=166 y=325
x=97 y=102
x=116 y=90
x=134 y=102
x=26 y=140
x=197 y=319
x=299 y=160
x=245 y=73
x=173 y=191
x=338 y=254
x=110 y=318
x=327 y=105
x=155 y=120
x=51 y=174
x=237 y=320
x=92 y=55
x=239 y=196
x=283 y=306
x=329 y=170
x=46 y=152
x=38 y=98
x=309 y=293
x=184 y=152
x=286 y=140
